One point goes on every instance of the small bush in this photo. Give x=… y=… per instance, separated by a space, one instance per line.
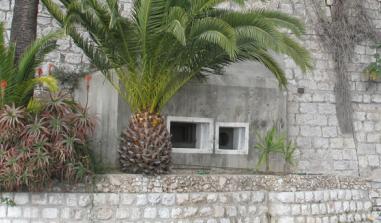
x=274 y=142
x=43 y=142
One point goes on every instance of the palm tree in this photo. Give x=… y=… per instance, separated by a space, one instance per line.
x=17 y=80
x=162 y=46
x=24 y=25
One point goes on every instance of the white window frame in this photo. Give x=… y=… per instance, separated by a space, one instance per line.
x=207 y=142
x=243 y=146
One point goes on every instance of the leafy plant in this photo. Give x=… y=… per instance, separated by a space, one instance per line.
x=7 y=201
x=162 y=46
x=45 y=144
x=68 y=80
x=373 y=70
x=274 y=142
x=17 y=80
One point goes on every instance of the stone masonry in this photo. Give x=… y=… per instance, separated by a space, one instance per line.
x=136 y=198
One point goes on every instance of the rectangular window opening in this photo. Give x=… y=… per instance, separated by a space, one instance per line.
x=232 y=138
x=191 y=135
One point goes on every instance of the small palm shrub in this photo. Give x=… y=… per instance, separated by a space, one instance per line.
x=43 y=142
x=273 y=142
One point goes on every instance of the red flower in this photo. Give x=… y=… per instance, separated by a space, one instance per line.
x=88 y=78
x=39 y=72
x=3 y=84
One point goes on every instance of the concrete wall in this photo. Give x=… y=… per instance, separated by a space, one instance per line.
x=246 y=93
x=311 y=116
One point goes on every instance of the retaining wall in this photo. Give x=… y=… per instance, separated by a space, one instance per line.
x=209 y=199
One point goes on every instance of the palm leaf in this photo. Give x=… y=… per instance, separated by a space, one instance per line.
x=166 y=43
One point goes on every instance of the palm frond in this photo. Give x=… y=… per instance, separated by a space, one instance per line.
x=34 y=55
x=165 y=43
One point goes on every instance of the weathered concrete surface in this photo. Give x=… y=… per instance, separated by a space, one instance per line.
x=247 y=92
x=103 y=102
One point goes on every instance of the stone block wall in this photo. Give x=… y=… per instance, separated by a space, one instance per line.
x=234 y=199
x=320 y=206
x=147 y=207
x=311 y=116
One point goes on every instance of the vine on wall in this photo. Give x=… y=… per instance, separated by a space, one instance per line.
x=347 y=26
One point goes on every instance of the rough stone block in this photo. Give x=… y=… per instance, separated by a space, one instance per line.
x=71 y=200
x=84 y=200
x=258 y=196
x=219 y=211
x=296 y=209
x=14 y=212
x=66 y=213
x=113 y=199
x=30 y=212
x=212 y=198
x=310 y=131
x=168 y=199
x=163 y=213
x=21 y=198
x=299 y=197
x=150 y=213
x=141 y=199
x=50 y=213
x=286 y=220
x=56 y=199
x=329 y=132
x=309 y=196
x=3 y=211
x=127 y=199
x=198 y=198
x=182 y=199
x=122 y=213
x=39 y=198
x=135 y=213
x=280 y=209
x=286 y=197
x=154 y=199
x=176 y=213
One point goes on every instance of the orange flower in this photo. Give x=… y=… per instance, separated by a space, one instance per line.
x=39 y=72
x=88 y=77
x=3 y=84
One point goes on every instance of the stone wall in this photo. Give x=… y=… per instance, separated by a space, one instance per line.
x=235 y=198
x=312 y=121
x=312 y=115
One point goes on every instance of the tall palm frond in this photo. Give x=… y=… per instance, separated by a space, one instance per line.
x=20 y=77
x=165 y=43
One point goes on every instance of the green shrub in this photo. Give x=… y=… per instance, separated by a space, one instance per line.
x=274 y=142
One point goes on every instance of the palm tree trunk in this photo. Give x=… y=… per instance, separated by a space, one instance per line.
x=24 y=25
